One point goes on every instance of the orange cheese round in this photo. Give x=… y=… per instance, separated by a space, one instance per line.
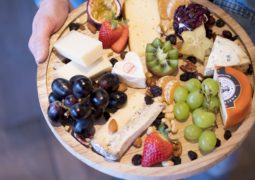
x=235 y=95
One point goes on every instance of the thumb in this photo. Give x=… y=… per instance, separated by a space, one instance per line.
x=39 y=41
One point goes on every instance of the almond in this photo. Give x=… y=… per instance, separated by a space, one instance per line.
x=151 y=81
x=177 y=147
x=113 y=127
x=122 y=87
x=92 y=27
x=138 y=142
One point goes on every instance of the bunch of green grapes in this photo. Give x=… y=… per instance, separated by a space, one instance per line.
x=201 y=99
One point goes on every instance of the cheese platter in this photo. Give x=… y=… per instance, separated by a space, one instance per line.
x=149 y=89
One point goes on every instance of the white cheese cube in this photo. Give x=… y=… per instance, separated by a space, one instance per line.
x=80 y=48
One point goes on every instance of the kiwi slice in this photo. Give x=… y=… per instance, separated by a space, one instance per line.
x=161 y=58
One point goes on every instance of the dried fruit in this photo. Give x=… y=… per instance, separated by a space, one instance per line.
x=113 y=61
x=74 y=26
x=220 y=23
x=227 y=34
x=189 y=67
x=218 y=143
x=177 y=147
x=148 y=100
x=192 y=155
x=188 y=18
x=176 y=160
x=137 y=159
x=172 y=39
x=122 y=87
x=155 y=91
x=227 y=135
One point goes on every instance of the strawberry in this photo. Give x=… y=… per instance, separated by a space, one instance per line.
x=156 y=149
x=109 y=33
x=121 y=43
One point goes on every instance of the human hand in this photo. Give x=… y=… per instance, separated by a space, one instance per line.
x=49 y=18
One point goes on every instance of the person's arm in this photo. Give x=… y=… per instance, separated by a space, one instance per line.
x=50 y=16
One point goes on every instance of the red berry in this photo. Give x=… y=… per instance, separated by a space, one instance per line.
x=156 y=149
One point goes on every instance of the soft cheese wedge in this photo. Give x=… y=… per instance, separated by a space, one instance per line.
x=130 y=71
x=226 y=53
x=131 y=121
x=235 y=95
x=80 y=48
x=71 y=69
x=143 y=21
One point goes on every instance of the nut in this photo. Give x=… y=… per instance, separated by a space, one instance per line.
x=138 y=142
x=169 y=116
x=151 y=81
x=167 y=163
x=189 y=67
x=113 y=127
x=151 y=129
x=92 y=27
x=148 y=75
x=82 y=27
x=122 y=87
x=177 y=148
x=174 y=129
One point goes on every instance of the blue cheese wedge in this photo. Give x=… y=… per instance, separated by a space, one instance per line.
x=71 y=69
x=80 y=48
x=132 y=120
x=226 y=53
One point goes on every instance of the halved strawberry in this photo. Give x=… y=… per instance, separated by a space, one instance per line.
x=121 y=43
x=156 y=149
x=109 y=33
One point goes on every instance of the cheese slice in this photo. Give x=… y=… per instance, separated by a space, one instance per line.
x=130 y=71
x=226 y=53
x=132 y=120
x=71 y=69
x=235 y=95
x=143 y=21
x=80 y=48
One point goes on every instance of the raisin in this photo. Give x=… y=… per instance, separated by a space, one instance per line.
x=113 y=61
x=66 y=61
x=227 y=34
x=172 y=39
x=234 y=37
x=155 y=91
x=218 y=143
x=220 y=23
x=192 y=155
x=192 y=59
x=137 y=160
x=74 y=26
x=157 y=122
x=176 y=160
x=148 y=100
x=184 y=77
x=209 y=33
x=227 y=135
x=123 y=54
x=250 y=70
x=106 y=115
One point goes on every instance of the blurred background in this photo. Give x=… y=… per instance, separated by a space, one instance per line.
x=28 y=150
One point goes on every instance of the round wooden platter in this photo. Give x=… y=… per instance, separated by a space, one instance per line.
x=124 y=168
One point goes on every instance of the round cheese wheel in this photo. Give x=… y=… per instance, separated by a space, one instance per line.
x=235 y=95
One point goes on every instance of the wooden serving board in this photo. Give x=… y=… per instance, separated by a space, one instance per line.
x=124 y=168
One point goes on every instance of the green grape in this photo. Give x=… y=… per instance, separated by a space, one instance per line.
x=207 y=141
x=213 y=104
x=210 y=87
x=180 y=94
x=193 y=84
x=203 y=119
x=195 y=99
x=192 y=132
x=181 y=111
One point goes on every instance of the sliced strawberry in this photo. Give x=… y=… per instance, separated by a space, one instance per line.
x=156 y=149
x=109 y=34
x=121 y=43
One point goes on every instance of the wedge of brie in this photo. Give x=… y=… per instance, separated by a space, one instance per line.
x=131 y=120
x=130 y=71
x=226 y=53
x=71 y=69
